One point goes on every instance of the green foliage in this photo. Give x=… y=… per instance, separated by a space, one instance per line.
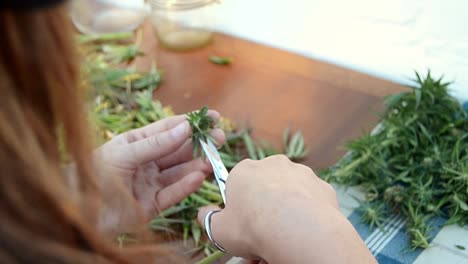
x=201 y=125
x=122 y=98
x=416 y=163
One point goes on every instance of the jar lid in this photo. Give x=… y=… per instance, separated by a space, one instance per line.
x=181 y=4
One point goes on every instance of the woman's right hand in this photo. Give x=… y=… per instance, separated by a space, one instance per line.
x=281 y=212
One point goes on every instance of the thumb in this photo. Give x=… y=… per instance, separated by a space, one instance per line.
x=160 y=144
x=217 y=234
x=225 y=232
x=203 y=211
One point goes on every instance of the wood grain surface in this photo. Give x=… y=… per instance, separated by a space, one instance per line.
x=269 y=90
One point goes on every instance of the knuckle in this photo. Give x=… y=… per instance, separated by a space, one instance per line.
x=307 y=169
x=281 y=157
x=130 y=136
x=154 y=141
x=242 y=169
x=331 y=188
x=332 y=192
x=285 y=159
x=278 y=158
x=245 y=163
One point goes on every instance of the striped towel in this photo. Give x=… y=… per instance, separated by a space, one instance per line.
x=390 y=244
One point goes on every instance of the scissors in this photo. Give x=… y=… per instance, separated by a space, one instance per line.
x=221 y=175
x=219 y=170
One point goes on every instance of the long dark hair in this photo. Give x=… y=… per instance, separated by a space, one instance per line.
x=44 y=218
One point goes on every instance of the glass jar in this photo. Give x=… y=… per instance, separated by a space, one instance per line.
x=184 y=24
x=108 y=16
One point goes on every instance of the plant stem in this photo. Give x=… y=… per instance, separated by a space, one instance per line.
x=211 y=258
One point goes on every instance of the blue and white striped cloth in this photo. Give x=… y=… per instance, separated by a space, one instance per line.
x=390 y=245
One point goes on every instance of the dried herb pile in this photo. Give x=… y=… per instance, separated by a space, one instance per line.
x=122 y=99
x=415 y=164
x=120 y=96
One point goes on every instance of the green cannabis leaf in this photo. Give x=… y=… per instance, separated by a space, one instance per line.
x=201 y=125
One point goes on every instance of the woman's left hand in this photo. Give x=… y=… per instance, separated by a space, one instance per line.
x=156 y=162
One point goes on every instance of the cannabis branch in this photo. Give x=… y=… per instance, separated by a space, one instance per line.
x=415 y=164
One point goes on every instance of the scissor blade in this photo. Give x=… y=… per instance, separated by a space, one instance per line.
x=219 y=169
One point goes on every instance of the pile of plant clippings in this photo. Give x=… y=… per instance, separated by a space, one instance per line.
x=415 y=164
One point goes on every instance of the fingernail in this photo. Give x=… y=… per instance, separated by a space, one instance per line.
x=180 y=130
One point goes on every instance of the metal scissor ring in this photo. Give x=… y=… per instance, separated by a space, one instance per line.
x=209 y=232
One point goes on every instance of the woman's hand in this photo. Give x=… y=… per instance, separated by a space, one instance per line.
x=155 y=163
x=281 y=212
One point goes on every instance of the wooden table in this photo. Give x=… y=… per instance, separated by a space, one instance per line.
x=269 y=90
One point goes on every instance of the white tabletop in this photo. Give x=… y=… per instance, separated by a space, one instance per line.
x=388 y=39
